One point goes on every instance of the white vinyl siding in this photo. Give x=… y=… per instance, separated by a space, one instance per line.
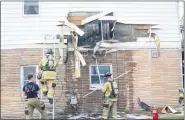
x=19 y=29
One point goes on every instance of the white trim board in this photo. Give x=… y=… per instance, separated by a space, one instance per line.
x=80 y=48
x=94 y=17
x=141 y=44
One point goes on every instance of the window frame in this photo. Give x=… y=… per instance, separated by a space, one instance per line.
x=30 y=15
x=22 y=75
x=97 y=86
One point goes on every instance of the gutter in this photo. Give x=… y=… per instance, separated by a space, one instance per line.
x=181 y=41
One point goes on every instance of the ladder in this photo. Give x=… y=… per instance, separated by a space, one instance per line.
x=46 y=101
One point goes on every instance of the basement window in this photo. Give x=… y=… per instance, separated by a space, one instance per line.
x=31 y=7
x=95 y=82
x=24 y=71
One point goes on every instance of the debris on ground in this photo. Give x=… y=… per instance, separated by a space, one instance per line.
x=121 y=117
x=69 y=116
x=169 y=109
x=95 y=116
x=124 y=116
x=81 y=116
x=171 y=115
x=144 y=105
x=139 y=117
x=179 y=108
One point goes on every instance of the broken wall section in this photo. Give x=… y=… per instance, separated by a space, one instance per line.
x=111 y=30
x=97 y=30
x=129 y=32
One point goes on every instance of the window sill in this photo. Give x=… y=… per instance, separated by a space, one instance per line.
x=31 y=15
x=95 y=87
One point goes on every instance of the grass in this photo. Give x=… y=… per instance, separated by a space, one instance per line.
x=141 y=112
x=173 y=118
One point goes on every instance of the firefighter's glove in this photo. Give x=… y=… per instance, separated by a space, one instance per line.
x=26 y=111
x=53 y=84
x=106 y=105
x=39 y=76
x=45 y=93
x=180 y=100
x=42 y=82
x=42 y=105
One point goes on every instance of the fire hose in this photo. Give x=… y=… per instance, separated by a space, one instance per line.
x=67 y=53
x=114 y=79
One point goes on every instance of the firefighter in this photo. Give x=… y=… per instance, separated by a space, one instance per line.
x=31 y=92
x=181 y=95
x=110 y=91
x=48 y=80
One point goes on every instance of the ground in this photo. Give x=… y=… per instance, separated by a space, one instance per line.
x=121 y=115
x=140 y=114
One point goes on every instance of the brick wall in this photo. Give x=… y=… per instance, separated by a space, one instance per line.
x=11 y=103
x=156 y=81
x=93 y=102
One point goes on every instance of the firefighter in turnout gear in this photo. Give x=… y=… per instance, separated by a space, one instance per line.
x=30 y=93
x=110 y=91
x=181 y=96
x=48 y=78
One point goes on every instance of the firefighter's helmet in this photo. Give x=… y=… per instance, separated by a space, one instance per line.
x=107 y=74
x=49 y=51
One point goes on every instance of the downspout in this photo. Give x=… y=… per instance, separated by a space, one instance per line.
x=181 y=49
x=150 y=32
x=184 y=68
x=149 y=57
x=178 y=14
x=101 y=31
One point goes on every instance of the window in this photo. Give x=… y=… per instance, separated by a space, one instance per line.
x=95 y=82
x=93 y=32
x=31 y=7
x=24 y=71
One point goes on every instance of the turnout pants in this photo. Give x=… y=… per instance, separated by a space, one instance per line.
x=48 y=88
x=110 y=110
x=31 y=104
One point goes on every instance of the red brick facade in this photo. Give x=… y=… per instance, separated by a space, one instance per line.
x=156 y=80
